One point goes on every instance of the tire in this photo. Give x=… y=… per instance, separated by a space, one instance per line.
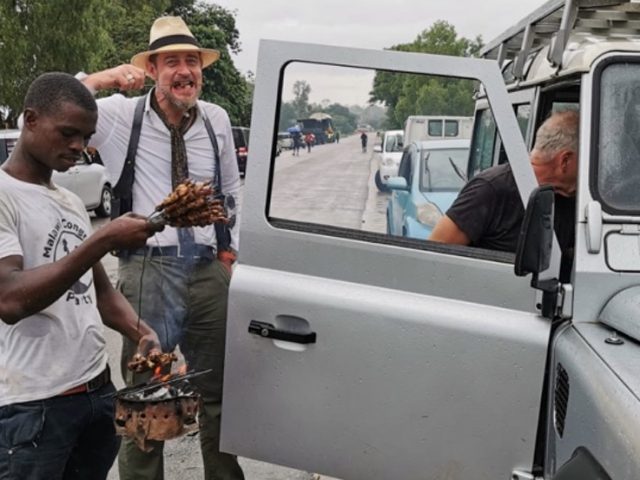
x=104 y=209
x=381 y=186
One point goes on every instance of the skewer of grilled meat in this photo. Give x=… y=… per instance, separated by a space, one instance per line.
x=191 y=204
x=140 y=363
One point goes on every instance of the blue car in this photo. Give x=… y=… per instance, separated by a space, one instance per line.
x=430 y=175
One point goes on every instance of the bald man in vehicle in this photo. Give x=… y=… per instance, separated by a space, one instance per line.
x=488 y=211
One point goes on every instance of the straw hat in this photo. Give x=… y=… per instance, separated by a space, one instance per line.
x=171 y=34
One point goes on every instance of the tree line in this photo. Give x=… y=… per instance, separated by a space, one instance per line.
x=344 y=120
x=401 y=94
x=70 y=36
x=90 y=35
x=406 y=94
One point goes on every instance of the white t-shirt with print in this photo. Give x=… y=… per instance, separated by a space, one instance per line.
x=63 y=345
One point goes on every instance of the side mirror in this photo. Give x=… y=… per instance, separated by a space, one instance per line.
x=533 y=253
x=377 y=148
x=397 y=183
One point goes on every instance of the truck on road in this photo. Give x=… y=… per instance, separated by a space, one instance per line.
x=320 y=125
x=436 y=127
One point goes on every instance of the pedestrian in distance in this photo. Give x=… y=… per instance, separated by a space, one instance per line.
x=297 y=143
x=179 y=136
x=363 y=141
x=309 y=139
x=56 y=405
x=337 y=136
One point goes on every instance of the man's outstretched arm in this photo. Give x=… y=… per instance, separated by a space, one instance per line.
x=446 y=231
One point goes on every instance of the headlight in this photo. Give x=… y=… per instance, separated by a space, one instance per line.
x=428 y=214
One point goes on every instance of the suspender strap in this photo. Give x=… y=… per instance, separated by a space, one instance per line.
x=122 y=201
x=223 y=235
x=217 y=176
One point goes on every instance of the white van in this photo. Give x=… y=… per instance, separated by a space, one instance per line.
x=429 y=127
x=389 y=159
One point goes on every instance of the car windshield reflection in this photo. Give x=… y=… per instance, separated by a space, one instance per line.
x=438 y=173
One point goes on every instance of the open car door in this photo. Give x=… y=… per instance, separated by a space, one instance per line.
x=360 y=355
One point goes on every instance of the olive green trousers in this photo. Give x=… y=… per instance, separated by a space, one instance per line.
x=185 y=302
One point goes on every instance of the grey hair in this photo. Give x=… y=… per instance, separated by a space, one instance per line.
x=558 y=132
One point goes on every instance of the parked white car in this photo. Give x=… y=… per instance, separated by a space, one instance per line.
x=390 y=154
x=88 y=178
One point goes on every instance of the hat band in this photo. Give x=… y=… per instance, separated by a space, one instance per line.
x=171 y=40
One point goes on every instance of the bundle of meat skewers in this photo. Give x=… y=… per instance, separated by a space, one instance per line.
x=140 y=363
x=191 y=204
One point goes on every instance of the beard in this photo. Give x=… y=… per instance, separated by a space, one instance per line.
x=180 y=104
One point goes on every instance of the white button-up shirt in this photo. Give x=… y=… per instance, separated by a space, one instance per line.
x=152 y=179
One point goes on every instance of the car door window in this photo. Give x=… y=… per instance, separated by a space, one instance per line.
x=405 y=166
x=342 y=172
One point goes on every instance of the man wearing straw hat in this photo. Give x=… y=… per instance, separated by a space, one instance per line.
x=179 y=281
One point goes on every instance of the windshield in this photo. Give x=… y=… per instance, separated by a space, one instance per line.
x=618 y=171
x=240 y=138
x=394 y=143
x=438 y=173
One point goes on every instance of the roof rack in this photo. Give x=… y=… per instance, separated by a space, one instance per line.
x=553 y=23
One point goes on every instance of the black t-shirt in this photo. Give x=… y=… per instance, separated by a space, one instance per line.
x=489 y=210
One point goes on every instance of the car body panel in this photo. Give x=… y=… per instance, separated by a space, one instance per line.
x=391 y=154
x=408 y=342
x=86 y=179
x=403 y=205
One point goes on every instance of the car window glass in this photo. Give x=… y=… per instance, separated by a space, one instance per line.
x=451 y=128
x=393 y=143
x=440 y=170
x=339 y=184
x=404 y=170
x=239 y=137
x=523 y=116
x=618 y=165
x=484 y=141
x=435 y=128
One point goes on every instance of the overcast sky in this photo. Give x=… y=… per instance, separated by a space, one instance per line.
x=372 y=24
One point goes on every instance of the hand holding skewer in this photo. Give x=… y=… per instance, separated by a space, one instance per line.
x=191 y=204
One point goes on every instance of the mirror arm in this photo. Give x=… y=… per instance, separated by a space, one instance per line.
x=550 y=288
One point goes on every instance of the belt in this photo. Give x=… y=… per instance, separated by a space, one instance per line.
x=94 y=384
x=197 y=251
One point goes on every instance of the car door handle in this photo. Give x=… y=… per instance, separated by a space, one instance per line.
x=267 y=330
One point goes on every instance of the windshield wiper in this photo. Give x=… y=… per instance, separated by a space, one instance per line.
x=427 y=171
x=457 y=170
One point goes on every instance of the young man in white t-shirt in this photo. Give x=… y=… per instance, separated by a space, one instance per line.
x=56 y=413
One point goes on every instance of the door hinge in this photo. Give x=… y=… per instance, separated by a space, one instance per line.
x=565 y=301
